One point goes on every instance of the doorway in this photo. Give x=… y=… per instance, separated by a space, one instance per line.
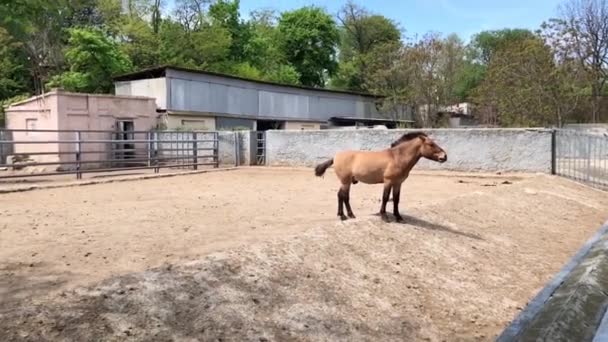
x=125 y=132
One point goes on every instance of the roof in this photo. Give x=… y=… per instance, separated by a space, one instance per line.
x=345 y=119
x=59 y=91
x=160 y=71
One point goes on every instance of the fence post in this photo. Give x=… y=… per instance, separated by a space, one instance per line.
x=149 y=140
x=236 y=149
x=216 y=150
x=553 y=152
x=195 y=150
x=78 y=155
x=155 y=149
x=589 y=146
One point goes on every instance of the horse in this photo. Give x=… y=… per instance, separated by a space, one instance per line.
x=390 y=167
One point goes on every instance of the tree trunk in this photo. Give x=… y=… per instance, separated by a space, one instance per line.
x=595 y=102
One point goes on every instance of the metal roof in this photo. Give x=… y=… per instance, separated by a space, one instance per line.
x=160 y=71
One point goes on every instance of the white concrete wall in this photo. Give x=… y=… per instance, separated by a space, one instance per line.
x=525 y=150
x=154 y=87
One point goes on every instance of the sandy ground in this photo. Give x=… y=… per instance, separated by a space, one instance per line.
x=258 y=254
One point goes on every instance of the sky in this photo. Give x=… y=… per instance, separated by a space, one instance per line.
x=416 y=17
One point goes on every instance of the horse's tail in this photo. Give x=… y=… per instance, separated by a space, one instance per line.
x=321 y=168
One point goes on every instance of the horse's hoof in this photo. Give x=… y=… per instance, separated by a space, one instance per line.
x=343 y=217
x=398 y=218
x=384 y=217
x=352 y=216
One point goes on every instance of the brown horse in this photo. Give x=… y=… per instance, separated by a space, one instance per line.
x=390 y=167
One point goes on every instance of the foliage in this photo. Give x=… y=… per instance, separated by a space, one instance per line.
x=92 y=60
x=361 y=32
x=486 y=43
x=525 y=86
x=308 y=39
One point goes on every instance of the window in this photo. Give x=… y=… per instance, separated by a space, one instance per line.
x=30 y=124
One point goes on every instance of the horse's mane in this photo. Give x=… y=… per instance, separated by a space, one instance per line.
x=408 y=137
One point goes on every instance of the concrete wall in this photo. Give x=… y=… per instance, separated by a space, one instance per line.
x=191 y=122
x=39 y=113
x=468 y=149
x=302 y=126
x=154 y=87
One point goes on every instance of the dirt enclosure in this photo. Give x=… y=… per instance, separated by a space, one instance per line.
x=259 y=255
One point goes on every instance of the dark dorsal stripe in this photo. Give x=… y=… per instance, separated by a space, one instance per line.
x=408 y=137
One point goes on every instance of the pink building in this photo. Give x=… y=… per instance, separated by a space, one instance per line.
x=59 y=110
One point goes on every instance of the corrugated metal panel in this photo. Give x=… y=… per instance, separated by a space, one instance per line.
x=189 y=92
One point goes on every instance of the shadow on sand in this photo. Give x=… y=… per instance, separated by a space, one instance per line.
x=424 y=224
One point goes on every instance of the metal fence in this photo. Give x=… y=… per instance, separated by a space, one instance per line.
x=53 y=152
x=5 y=149
x=581 y=156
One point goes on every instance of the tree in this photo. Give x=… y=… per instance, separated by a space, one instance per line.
x=361 y=32
x=486 y=43
x=37 y=25
x=582 y=33
x=139 y=42
x=92 y=59
x=451 y=69
x=13 y=76
x=392 y=77
x=191 y=13
x=308 y=39
x=525 y=87
x=226 y=14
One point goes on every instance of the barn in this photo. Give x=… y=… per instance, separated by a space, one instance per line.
x=201 y=100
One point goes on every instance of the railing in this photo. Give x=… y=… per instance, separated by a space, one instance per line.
x=79 y=152
x=581 y=156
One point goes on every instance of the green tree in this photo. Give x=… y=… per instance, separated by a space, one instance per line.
x=486 y=43
x=225 y=13
x=13 y=73
x=308 y=39
x=524 y=86
x=582 y=33
x=92 y=60
x=37 y=25
x=361 y=32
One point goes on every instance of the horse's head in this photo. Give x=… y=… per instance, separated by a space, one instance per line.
x=428 y=148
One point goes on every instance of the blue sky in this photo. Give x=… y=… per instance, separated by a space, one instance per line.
x=464 y=17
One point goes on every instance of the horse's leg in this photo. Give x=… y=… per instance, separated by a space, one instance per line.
x=385 y=195
x=396 y=197
x=341 y=204
x=346 y=193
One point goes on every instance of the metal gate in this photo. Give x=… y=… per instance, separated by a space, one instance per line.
x=581 y=156
x=260 y=152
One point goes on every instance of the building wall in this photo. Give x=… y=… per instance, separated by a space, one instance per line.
x=154 y=87
x=191 y=122
x=193 y=92
x=35 y=113
x=299 y=126
x=101 y=112
x=468 y=150
x=228 y=124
